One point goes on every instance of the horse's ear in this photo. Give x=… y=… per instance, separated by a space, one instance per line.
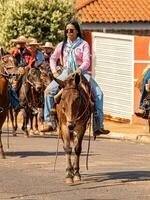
x=77 y=79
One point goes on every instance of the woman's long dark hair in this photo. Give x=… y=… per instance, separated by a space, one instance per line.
x=77 y=27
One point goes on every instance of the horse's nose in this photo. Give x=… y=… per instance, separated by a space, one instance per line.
x=38 y=86
x=70 y=125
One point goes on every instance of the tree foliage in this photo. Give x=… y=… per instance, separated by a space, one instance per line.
x=41 y=19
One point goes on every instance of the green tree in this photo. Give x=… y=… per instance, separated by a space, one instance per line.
x=41 y=19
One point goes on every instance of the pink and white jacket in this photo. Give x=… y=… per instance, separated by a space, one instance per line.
x=82 y=55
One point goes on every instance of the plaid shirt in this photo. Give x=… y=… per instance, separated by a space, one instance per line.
x=23 y=58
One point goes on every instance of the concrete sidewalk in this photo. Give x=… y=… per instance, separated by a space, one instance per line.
x=127 y=131
x=120 y=131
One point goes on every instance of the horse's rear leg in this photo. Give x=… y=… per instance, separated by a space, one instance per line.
x=1 y=146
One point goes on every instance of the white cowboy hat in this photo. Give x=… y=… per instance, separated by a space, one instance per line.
x=20 y=39
x=48 y=45
x=33 y=42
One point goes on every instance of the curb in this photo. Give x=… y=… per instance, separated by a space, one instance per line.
x=135 y=137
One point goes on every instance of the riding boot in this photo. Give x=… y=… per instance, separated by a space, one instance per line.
x=50 y=126
x=99 y=130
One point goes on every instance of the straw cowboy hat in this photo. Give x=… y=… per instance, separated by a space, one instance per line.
x=48 y=45
x=20 y=39
x=33 y=42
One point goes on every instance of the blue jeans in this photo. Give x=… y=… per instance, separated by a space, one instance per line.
x=144 y=92
x=98 y=97
x=14 y=101
x=53 y=87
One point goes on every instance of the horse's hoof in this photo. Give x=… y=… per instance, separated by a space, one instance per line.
x=3 y=156
x=77 y=178
x=41 y=133
x=14 y=134
x=37 y=132
x=26 y=135
x=69 y=180
x=31 y=132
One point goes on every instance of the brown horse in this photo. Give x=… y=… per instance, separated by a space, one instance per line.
x=74 y=111
x=8 y=63
x=4 y=104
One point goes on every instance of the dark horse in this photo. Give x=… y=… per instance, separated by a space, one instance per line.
x=73 y=111
x=4 y=104
x=30 y=90
x=30 y=96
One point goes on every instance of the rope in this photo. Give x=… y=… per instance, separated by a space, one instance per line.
x=7 y=131
x=89 y=141
x=56 y=152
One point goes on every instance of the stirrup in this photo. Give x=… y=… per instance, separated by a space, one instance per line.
x=1 y=109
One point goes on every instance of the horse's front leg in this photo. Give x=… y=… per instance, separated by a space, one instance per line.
x=31 y=132
x=76 y=163
x=16 y=123
x=36 y=124
x=68 y=151
x=1 y=146
x=149 y=120
x=12 y=121
x=25 y=122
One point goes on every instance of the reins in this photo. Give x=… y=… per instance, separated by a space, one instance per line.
x=86 y=108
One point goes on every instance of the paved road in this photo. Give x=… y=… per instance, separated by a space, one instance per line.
x=118 y=170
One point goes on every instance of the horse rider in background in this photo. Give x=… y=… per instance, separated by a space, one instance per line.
x=48 y=49
x=22 y=58
x=143 y=85
x=36 y=52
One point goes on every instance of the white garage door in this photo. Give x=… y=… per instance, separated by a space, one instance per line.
x=113 y=71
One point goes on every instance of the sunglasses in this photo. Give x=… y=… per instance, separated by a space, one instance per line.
x=70 y=30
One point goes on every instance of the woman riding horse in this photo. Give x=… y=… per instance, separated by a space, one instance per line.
x=74 y=52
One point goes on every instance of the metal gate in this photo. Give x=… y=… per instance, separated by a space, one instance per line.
x=113 y=70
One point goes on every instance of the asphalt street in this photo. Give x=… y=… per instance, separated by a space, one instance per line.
x=118 y=170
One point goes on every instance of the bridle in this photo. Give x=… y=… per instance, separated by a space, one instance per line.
x=87 y=105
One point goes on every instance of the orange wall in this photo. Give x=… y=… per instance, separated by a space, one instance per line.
x=141 y=44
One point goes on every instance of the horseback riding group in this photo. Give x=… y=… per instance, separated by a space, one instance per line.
x=41 y=76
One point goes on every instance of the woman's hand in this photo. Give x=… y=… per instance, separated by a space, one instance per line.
x=56 y=74
x=78 y=71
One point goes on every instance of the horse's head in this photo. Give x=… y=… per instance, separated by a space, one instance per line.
x=8 y=63
x=45 y=76
x=34 y=78
x=71 y=101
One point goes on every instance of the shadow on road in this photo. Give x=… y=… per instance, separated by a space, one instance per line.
x=125 y=176
x=23 y=154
